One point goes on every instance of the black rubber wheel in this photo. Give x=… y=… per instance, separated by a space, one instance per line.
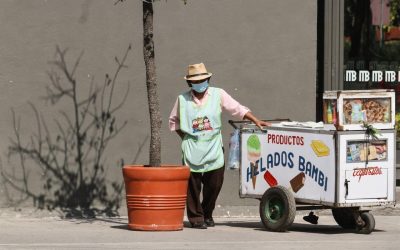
x=344 y=217
x=369 y=223
x=277 y=209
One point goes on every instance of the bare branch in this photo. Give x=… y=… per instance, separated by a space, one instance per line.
x=79 y=145
x=118 y=1
x=123 y=100
x=67 y=119
x=62 y=65
x=65 y=140
x=56 y=91
x=120 y=66
x=140 y=148
x=16 y=127
x=76 y=63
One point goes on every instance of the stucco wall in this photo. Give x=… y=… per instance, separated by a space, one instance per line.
x=262 y=52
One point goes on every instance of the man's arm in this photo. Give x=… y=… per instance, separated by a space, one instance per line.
x=239 y=111
x=174 y=117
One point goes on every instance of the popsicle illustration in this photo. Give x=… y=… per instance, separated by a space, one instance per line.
x=270 y=179
x=298 y=182
x=253 y=154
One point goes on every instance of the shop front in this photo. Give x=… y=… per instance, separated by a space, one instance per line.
x=360 y=49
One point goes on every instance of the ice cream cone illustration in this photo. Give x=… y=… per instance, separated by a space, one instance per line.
x=253 y=154
x=254 y=168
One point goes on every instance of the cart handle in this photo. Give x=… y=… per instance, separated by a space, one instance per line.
x=233 y=123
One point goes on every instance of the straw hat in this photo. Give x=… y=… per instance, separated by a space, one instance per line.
x=197 y=72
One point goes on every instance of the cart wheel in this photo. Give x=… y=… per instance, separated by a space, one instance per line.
x=277 y=209
x=369 y=223
x=344 y=217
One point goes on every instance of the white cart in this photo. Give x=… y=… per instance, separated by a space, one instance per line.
x=348 y=171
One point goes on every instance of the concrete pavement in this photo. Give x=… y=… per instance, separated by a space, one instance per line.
x=229 y=233
x=237 y=227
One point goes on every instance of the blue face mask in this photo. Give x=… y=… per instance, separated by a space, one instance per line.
x=200 y=87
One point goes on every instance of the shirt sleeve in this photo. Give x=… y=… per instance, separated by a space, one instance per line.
x=174 y=117
x=232 y=106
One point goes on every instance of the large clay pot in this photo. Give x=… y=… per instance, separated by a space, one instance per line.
x=156 y=196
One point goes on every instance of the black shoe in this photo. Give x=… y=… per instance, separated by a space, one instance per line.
x=311 y=218
x=209 y=222
x=199 y=225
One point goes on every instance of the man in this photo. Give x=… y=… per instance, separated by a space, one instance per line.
x=196 y=117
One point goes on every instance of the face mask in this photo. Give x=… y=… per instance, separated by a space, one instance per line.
x=200 y=87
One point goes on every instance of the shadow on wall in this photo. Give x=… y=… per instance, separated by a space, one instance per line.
x=71 y=158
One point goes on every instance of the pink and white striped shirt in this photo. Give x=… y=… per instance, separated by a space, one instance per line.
x=228 y=104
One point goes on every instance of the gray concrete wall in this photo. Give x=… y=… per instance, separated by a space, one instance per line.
x=262 y=52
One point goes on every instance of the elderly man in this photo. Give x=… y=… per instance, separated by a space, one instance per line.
x=196 y=117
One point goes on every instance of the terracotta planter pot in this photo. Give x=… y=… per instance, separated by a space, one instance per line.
x=156 y=196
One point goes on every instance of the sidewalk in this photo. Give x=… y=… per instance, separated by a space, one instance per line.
x=229 y=233
x=237 y=227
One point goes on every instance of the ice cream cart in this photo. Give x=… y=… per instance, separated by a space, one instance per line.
x=343 y=164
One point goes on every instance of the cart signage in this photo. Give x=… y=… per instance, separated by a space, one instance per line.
x=285 y=139
x=360 y=172
x=300 y=161
x=285 y=159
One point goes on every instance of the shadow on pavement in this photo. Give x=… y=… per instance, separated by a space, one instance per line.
x=115 y=220
x=244 y=224
x=122 y=227
x=323 y=229
x=295 y=227
x=121 y=221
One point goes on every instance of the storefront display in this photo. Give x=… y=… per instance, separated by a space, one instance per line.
x=357 y=151
x=351 y=110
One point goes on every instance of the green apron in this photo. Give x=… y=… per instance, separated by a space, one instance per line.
x=202 y=144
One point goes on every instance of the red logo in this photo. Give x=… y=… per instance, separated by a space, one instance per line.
x=285 y=139
x=360 y=172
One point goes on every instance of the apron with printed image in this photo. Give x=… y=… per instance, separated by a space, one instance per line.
x=202 y=144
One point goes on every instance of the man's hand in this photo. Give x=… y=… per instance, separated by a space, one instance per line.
x=254 y=119
x=261 y=124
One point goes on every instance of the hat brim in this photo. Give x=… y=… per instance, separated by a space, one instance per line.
x=196 y=78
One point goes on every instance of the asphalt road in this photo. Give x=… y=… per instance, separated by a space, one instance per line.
x=229 y=233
